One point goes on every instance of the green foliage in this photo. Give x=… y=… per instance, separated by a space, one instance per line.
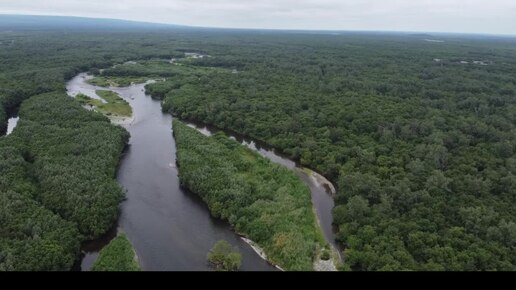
x=75 y=177
x=57 y=169
x=159 y=89
x=428 y=146
x=158 y=69
x=104 y=81
x=422 y=152
x=264 y=201
x=56 y=183
x=224 y=257
x=33 y=238
x=325 y=255
x=118 y=255
x=115 y=104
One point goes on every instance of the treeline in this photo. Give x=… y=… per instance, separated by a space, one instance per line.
x=262 y=200
x=420 y=146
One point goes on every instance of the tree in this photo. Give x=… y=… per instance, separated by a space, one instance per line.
x=224 y=257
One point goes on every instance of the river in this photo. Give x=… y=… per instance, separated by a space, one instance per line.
x=171 y=228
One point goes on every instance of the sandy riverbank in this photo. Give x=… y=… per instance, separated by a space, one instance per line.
x=122 y=121
x=330 y=188
x=259 y=251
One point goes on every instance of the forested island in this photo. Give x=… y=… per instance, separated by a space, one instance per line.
x=264 y=201
x=418 y=137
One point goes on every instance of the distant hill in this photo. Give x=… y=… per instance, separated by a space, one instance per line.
x=10 y=22
x=33 y=22
x=419 y=35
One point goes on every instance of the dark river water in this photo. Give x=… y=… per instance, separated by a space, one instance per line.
x=171 y=228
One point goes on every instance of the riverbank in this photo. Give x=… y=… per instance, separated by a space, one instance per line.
x=320 y=179
x=260 y=251
x=122 y=121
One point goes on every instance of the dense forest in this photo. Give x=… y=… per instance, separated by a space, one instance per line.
x=419 y=137
x=264 y=201
x=57 y=168
x=57 y=183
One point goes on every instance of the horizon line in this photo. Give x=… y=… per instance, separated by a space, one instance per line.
x=261 y=29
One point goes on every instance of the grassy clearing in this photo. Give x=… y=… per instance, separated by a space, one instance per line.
x=115 y=105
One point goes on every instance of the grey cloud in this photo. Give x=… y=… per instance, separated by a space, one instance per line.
x=494 y=16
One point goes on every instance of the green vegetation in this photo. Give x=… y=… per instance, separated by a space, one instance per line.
x=118 y=255
x=224 y=257
x=160 y=89
x=57 y=170
x=109 y=96
x=325 y=255
x=85 y=100
x=57 y=185
x=115 y=104
x=159 y=69
x=27 y=229
x=105 y=81
x=74 y=178
x=264 y=201
x=54 y=194
x=422 y=151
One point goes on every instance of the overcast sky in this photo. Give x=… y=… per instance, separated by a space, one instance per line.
x=477 y=16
